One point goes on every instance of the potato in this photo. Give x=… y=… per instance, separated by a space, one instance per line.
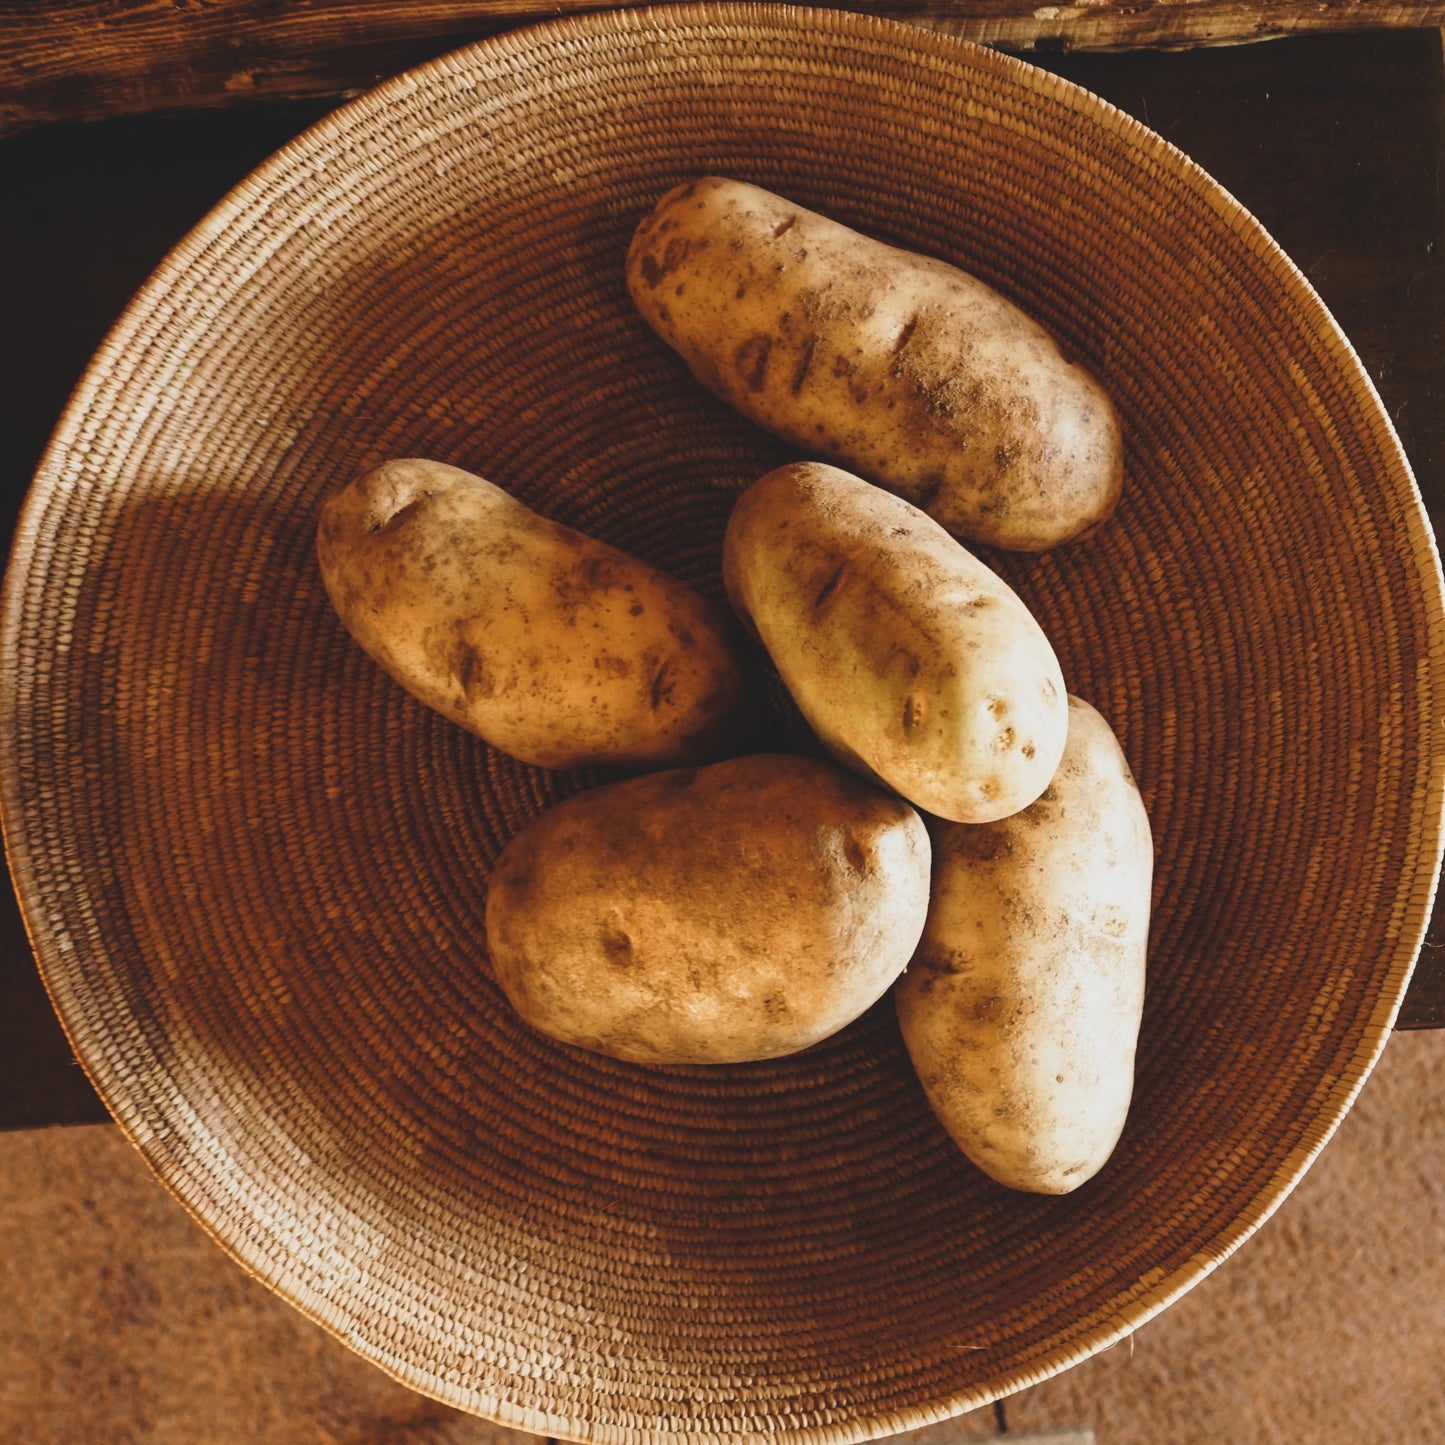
x=1021 y=1008
x=556 y=648
x=900 y=368
x=713 y=915
x=914 y=663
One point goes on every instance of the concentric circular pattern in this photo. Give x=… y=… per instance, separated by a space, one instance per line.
x=255 y=871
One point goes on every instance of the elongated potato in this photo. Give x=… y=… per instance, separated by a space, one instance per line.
x=900 y=368
x=554 y=647
x=914 y=663
x=1021 y=1008
x=713 y=915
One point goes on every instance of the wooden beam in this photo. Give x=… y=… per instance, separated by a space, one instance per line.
x=66 y=60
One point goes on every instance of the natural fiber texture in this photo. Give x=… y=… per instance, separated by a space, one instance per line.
x=254 y=871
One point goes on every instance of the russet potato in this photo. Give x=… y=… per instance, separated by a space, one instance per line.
x=553 y=646
x=914 y=663
x=896 y=366
x=722 y=914
x=1021 y=1008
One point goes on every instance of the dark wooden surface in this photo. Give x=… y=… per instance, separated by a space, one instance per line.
x=1334 y=141
x=80 y=59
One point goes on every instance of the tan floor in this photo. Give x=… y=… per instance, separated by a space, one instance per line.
x=123 y=1322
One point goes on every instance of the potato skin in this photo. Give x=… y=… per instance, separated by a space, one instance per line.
x=914 y=663
x=552 y=646
x=896 y=366
x=1021 y=1008
x=721 y=914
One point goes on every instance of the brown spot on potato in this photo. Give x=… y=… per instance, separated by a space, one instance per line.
x=1111 y=922
x=616 y=947
x=855 y=853
x=513 y=870
x=660 y=689
x=982 y=844
x=915 y=711
x=831 y=585
x=986 y=1010
x=471 y=673
x=783 y=227
x=652 y=272
x=402 y=514
x=801 y=374
x=951 y=963
x=751 y=360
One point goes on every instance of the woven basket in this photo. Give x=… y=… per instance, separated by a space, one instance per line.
x=254 y=871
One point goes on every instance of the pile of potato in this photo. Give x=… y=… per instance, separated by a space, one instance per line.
x=976 y=843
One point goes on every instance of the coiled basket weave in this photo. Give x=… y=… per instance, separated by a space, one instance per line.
x=254 y=871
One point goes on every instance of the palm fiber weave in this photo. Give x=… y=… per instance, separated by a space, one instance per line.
x=254 y=870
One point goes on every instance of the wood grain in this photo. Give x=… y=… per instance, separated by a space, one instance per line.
x=88 y=59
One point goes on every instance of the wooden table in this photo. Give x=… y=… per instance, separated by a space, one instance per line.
x=1333 y=138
